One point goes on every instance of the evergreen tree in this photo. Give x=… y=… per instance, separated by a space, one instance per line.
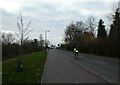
x=114 y=37
x=101 y=29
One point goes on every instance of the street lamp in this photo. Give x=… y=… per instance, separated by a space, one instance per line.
x=46 y=35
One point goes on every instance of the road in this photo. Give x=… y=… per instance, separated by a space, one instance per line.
x=61 y=67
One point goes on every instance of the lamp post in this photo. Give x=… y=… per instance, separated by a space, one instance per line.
x=46 y=36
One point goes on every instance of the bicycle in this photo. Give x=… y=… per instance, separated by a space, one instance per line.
x=76 y=55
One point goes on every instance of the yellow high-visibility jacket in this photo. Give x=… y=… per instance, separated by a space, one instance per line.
x=75 y=50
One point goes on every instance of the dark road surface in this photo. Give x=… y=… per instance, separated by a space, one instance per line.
x=61 y=67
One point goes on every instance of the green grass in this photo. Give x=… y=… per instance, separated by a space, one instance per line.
x=32 y=63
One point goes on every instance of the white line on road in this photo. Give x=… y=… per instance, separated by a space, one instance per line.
x=100 y=62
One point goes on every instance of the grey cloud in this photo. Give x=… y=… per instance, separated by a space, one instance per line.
x=8 y=21
x=50 y=16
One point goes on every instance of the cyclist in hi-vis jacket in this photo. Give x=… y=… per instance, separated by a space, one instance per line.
x=76 y=52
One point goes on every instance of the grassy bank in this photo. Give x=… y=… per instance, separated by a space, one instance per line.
x=33 y=65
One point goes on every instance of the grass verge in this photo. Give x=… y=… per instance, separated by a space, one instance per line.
x=33 y=65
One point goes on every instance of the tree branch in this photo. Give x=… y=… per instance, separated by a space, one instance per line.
x=18 y=35
x=27 y=32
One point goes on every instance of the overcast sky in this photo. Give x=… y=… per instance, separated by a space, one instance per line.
x=53 y=15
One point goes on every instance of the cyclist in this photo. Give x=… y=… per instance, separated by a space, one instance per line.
x=76 y=52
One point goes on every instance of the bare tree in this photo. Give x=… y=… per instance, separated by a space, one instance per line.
x=73 y=34
x=7 y=38
x=111 y=14
x=23 y=30
x=91 y=24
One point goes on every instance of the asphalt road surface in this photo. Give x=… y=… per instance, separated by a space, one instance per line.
x=62 y=67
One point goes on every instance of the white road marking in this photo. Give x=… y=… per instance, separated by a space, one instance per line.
x=100 y=62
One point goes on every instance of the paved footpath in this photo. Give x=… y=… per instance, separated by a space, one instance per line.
x=61 y=67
